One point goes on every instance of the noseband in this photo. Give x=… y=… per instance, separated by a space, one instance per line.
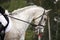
x=42 y=18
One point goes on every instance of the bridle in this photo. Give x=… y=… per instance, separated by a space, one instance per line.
x=42 y=18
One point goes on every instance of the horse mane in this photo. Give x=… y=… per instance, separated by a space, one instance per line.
x=22 y=9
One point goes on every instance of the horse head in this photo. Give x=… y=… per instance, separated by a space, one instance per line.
x=41 y=21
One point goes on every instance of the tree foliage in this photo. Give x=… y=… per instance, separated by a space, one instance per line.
x=47 y=4
x=55 y=12
x=2 y=1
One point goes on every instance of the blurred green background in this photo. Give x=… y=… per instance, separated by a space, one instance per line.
x=47 y=4
x=12 y=4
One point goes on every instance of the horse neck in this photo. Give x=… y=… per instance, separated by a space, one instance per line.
x=29 y=14
x=22 y=9
x=26 y=16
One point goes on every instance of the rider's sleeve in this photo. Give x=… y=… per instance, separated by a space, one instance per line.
x=3 y=20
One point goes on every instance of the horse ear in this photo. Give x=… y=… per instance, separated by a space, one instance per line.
x=6 y=12
x=47 y=10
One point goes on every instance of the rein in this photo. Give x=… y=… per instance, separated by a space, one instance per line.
x=24 y=21
x=29 y=22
